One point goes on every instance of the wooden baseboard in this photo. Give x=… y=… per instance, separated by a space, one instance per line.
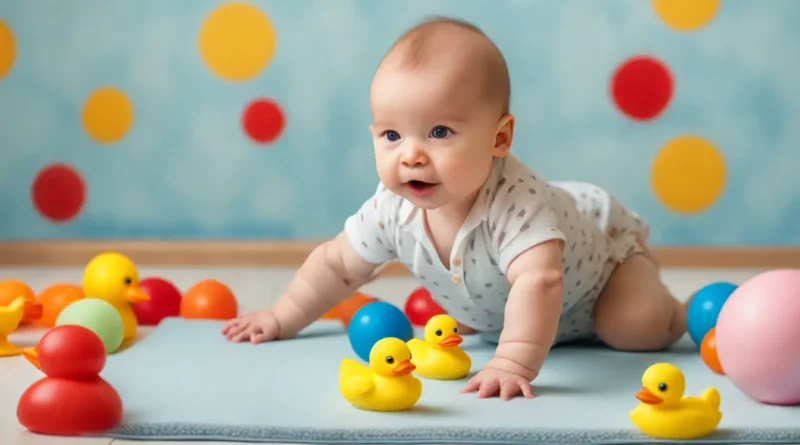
x=292 y=254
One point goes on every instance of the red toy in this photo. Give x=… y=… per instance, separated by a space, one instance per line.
x=165 y=301
x=73 y=399
x=420 y=307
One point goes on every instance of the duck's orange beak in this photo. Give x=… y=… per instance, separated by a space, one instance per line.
x=32 y=356
x=646 y=396
x=135 y=294
x=403 y=368
x=451 y=340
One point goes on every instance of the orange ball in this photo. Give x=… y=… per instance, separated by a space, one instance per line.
x=347 y=307
x=708 y=352
x=11 y=289
x=209 y=300
x=54 y=299
x=330 y=315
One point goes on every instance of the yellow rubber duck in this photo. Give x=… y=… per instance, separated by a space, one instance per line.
x=439 y=356
x=113 y=277
x=386 y=384
x=10 y=317
x=665 y=413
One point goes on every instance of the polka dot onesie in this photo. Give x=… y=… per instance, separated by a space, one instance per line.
x=516 y=210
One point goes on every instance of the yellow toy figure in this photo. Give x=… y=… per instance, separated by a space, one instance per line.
x=665 y=413
x=113 y=277
x=10 y=317
x=386 y=384
x=439 y=356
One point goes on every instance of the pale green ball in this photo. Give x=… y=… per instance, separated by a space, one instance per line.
x=97 y=315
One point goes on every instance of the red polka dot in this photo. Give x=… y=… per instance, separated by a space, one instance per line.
x=58 y=192
x=642 y=87
x=263 y=120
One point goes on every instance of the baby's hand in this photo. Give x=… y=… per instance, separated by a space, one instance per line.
x=496 y=380
x=259 y=326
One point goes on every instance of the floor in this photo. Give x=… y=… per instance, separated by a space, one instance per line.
x=254 y=288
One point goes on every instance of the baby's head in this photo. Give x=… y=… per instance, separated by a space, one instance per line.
x=440 y=106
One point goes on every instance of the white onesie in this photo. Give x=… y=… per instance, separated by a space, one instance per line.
x=516 y=210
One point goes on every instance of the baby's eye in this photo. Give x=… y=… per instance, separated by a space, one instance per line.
x=440 y=132
x=391 y=135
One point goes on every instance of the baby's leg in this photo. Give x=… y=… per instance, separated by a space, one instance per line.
x=635 y=311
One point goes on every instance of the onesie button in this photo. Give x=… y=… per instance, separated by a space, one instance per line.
x=456 y=261
x=456 y=279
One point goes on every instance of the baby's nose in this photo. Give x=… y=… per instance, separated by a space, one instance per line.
x=414 y=156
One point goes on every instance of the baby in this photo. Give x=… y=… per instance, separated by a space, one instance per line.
x=525 y=262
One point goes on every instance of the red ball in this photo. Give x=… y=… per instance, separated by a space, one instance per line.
x=165 y=301
x=69 y=407
x=420 y=307
x=71 y=352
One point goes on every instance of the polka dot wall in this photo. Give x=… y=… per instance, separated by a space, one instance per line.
x=249 y=118
x=688 y=173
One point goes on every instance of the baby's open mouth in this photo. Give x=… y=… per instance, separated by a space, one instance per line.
x=420 y=187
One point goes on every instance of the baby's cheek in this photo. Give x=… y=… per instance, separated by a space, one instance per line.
x=468 y=172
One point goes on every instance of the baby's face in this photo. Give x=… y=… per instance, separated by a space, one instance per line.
x=434 y=134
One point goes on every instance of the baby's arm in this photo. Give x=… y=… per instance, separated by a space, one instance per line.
x=524 y=229
x=532 y=310
x=330 y=273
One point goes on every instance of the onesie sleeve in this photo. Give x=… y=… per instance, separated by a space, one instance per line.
x=521 y=216
x=371 y=229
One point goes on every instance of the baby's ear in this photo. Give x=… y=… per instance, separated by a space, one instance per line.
x=504 y=136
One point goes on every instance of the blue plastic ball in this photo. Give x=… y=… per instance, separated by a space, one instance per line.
x=704 y=308
x=375 y=321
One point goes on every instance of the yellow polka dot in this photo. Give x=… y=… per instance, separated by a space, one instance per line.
x=688 y=174
x=686 y=15
x=236 y=41
x=8 y=49
x=107 y=115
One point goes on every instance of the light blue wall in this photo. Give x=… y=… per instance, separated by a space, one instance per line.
x=186 y=170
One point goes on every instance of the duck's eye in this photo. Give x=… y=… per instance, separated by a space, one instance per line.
x=389 y=359
x=455 y=330
x=128 y=280
x=662 y=387
x=438 y=332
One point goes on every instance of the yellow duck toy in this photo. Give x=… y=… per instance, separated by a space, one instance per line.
x=439 y=356
x=386 y=384
x=10 y=317
x=113 y=277
x=665 y=413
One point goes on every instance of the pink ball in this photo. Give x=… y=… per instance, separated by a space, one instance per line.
x=758 y=337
